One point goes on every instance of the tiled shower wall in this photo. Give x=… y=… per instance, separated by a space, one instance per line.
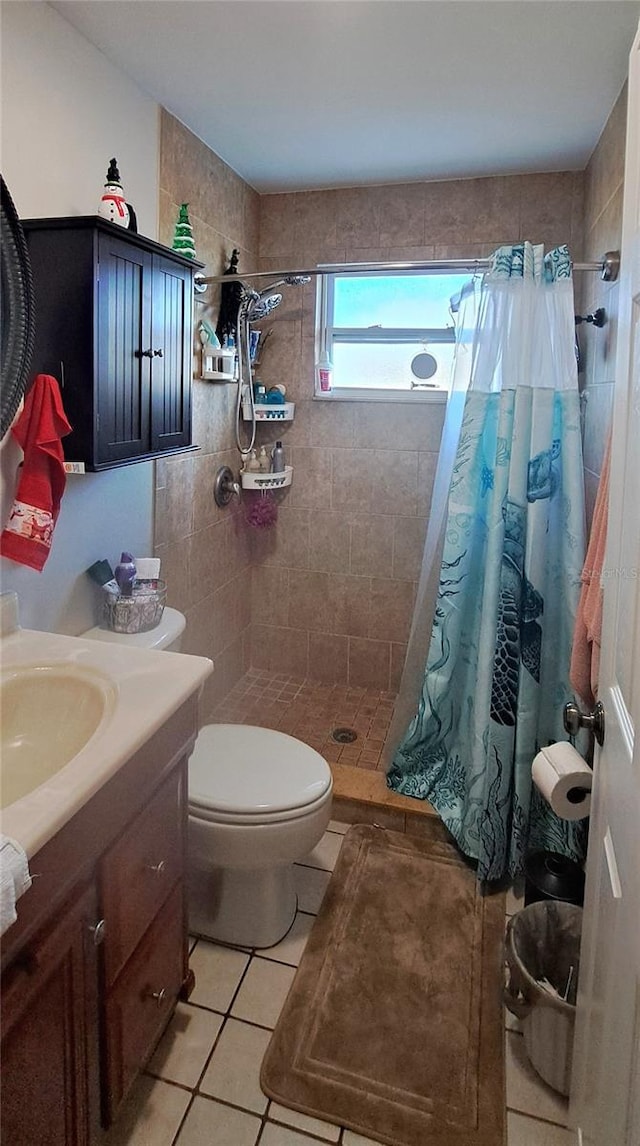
x=604 y=179
x=205 y=551
x=334 y=582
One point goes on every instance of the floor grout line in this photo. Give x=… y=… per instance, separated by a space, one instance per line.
x=537 y=1117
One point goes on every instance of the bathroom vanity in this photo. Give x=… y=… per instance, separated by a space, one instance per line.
x=94 y=965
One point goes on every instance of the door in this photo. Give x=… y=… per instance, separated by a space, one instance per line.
x=123 y=367
x=50 y=1035
x=171 y=366
x=606 y=1079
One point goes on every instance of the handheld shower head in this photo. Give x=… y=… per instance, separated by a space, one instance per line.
x=261 y=307
x=254 y=306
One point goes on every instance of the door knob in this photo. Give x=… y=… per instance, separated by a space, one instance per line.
x=574 y=720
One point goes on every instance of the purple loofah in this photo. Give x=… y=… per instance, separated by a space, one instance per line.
x=261 y=510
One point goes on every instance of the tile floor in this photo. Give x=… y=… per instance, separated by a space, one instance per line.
x=201 y=1087
x=310 y=711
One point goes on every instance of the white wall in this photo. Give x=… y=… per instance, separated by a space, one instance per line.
x=65 y=111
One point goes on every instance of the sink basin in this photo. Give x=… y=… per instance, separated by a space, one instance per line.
x=74 y=711
x=49 y=713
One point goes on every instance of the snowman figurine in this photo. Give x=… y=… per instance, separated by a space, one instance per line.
x=112 y=205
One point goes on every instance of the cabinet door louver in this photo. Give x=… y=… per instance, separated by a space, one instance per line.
x=124 y=329
x=171 y=368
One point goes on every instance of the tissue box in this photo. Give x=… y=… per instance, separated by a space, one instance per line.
x=135 y=614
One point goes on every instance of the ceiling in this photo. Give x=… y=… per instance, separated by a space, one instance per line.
x=298 y=94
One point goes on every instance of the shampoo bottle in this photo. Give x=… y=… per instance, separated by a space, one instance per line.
x=277 y=459
x=324 y=370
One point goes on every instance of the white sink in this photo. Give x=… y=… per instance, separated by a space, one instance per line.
x=73 y=712
x=49 y=713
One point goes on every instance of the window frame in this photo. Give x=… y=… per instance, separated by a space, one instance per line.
x=393 y=336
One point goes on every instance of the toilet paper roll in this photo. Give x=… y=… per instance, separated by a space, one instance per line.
x=564 y=779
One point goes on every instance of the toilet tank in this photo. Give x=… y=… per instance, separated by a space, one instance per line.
x=167 y=636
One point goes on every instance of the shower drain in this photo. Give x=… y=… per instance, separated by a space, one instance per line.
x=344 y=735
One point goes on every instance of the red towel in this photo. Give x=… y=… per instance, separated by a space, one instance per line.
x=587 y=636
x=39 y=429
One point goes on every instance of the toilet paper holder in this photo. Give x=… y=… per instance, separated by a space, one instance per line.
x=574 y=720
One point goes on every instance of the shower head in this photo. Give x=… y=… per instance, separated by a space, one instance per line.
x=256 y=305
x=261 y=306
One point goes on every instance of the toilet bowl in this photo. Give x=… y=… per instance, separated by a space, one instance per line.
x=259 y=800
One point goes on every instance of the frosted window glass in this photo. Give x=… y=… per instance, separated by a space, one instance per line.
x=387 y=367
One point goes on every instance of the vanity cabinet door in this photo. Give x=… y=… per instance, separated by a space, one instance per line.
x=140 y=870
x=50 y=1082
x=140 y=1005
x=145 y=958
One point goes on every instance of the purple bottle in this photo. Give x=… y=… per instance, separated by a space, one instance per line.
x=125 y=574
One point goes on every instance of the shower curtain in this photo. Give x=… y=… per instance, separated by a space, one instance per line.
x=501 y=574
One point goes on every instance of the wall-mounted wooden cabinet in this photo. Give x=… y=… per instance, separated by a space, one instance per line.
x=114 y=325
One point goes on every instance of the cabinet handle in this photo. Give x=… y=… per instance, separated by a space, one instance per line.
x=159 y=996
x=144 y=353
x=98 y=930
x=158 y=868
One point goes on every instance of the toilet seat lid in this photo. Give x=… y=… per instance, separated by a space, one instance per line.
x=243 y=769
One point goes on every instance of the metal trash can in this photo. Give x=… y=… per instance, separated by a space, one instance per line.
x=542 y=953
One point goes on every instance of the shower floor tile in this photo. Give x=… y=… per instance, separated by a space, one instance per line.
x=311 y=711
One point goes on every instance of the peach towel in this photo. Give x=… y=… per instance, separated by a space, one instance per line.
x=585 y=653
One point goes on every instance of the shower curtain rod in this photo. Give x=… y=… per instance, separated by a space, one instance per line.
x=608 y=266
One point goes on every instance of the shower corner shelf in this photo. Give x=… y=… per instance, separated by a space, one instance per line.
x=267 y=481
x=266 y=413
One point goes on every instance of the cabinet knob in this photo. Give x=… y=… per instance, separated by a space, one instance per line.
x=98 y=930
x=157 y=354
x=159 y=996
x=144 y=353
x=158 y=868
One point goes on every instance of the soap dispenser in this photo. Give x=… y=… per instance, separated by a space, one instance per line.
x=252 y=463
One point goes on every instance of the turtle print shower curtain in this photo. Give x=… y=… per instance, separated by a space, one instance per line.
x=497 y=672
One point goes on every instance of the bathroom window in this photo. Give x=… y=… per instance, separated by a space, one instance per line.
x=386 y=335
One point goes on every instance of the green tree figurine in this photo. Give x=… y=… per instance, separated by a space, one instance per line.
x=183 y=235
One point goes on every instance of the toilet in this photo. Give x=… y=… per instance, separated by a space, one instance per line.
x=259 y=800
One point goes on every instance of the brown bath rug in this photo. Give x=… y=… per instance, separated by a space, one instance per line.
x=393 y=1025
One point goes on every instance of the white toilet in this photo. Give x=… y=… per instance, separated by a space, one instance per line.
x=258 y=801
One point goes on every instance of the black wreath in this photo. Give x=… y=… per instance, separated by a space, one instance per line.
x=17 y=329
